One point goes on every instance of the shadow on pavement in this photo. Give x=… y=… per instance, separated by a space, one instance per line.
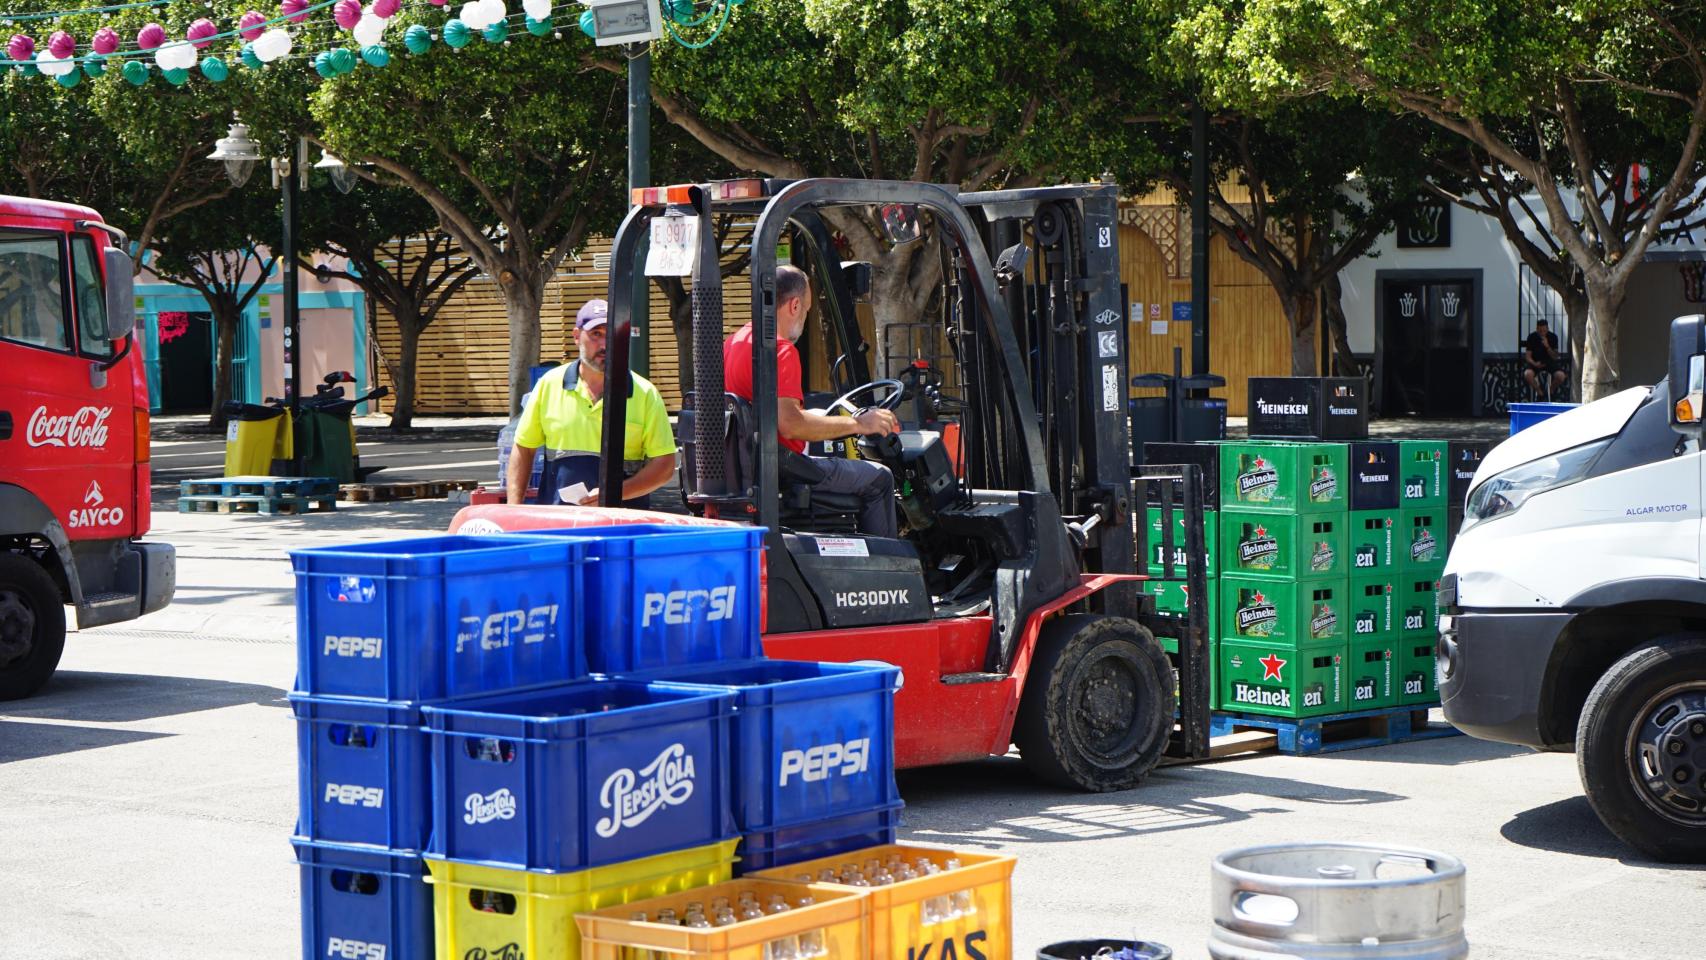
x=28 y=741
x=1014 y=807
x=1570 y=826
x=1439 y=752
x=129 y=697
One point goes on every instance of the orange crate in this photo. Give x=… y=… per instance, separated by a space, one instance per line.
x=839 y=922
x=901 y=926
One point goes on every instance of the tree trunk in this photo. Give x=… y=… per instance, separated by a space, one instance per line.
x=408 y=346
x=895 y=301
x=225 y=320
x=523 y=295
x=1576 y=310
x=1300 y=314
x=1333 y=316
x=1599 y=357
x=680 y=321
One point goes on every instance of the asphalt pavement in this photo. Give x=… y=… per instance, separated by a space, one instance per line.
x=151 y=789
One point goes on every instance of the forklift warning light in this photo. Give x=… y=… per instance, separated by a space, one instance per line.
x=678 y=194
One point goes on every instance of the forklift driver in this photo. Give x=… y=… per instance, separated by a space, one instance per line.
x=796 y=426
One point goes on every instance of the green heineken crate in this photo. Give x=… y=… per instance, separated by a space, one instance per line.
x=1256 y=676
x=1417 y=675
x=1282 y=546
x=1421 y=539
x=1372 y=674
x=1372 y=606
x=1423 y=477
x=1288 y=612
x=1418 y=605
x=1210 y=540
x=1170 y=598
x=1370 y=539
x=1284 y=477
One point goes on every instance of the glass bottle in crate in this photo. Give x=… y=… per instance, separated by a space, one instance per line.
x=782 y=948
x=959 y=904
x=636 y=953
x=811 y=942
x=749 y=908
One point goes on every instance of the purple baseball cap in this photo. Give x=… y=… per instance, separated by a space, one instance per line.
x=593 y=313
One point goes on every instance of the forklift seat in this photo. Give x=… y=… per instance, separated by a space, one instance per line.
x=802 y=505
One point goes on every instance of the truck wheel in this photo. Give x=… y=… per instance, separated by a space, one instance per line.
x=1641 y=749
x=32 y=626
x=1098 y=704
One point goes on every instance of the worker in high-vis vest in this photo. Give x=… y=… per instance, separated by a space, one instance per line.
x=566 y=418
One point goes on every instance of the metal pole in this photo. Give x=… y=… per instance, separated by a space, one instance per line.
x=1199 y=239
x=292 y=318
x=640 y=175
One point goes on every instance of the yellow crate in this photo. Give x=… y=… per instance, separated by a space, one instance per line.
x=483 y=911
x=838 y=926
x=898 y=927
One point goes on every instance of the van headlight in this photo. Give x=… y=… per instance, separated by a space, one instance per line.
x=1503 y=493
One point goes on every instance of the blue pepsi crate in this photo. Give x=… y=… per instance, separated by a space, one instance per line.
x=663 y=595
x=811 y=740
x=437 y=617
x=579 y=776
x=819 y=838
x=364 y=775
x=365 y=903
x=1525 y=415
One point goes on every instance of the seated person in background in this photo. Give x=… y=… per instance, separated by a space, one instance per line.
x=1540 y=358
x=796 y=426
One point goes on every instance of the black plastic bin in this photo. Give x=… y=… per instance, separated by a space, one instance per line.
x=1086 y=949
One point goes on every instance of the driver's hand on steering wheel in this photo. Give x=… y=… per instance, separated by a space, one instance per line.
x=876 y=422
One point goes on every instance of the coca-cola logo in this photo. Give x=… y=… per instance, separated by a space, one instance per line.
x=85 y=428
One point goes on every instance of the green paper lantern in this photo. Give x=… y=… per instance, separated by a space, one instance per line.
x=136 y=72
x=249 y=59
x=343 y=60
x=375 y=55
x=497 y=32
x=539 y=27
x=94 y=67
x=681 y=11
x=31 y=70
x=418 y=39
x=215 y=69
x=69 y=80
x=176 y=78
x=323 y=65
x=588 y=27
x=456 y=34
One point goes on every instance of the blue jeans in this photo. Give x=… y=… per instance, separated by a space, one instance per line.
x=871 y=482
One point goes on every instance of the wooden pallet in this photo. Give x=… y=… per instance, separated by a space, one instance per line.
x=259 y=487
x=1345 y=731
x=284 y=506
x=400 y=490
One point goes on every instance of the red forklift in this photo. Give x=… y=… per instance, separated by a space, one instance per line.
x=1013 y=600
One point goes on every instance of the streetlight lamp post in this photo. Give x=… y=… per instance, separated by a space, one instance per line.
x=240 y=152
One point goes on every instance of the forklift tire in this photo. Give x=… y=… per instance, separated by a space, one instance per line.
x=32 y=627
x=1098 y=704
x=1641 y=749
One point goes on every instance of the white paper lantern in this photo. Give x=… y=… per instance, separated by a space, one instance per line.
x=184 y=56
x=494 y=11
x=537 y=9
x=369 y=30
x=273 y=45
x=53 y=66
x=473 y=15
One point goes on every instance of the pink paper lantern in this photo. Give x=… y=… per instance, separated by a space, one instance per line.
x=62 y=45
x=347 y=13
x=294 y=9
x=20 y=47
x=251 y=25
x=199 y=32
x=150 y=36
x=105 y=41
x=386 y=9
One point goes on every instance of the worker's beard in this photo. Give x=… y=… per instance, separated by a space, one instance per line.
x=595 y=361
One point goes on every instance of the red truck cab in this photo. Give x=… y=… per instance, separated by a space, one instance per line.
x=74 y=438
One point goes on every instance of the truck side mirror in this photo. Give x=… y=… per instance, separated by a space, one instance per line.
x=1686 y=408
x=121 y=294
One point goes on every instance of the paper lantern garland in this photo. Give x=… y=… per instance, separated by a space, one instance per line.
x=375 y=56
x=105 y=41
x=200 y=31
x=175 y=76
x=247 y=55
x=497 y=32
x=251 y=24
x=136 y=72
x=456 y=33
x=150 y=37
x=418 y=39
x=20 y=48
x=539 y=27
x=62 y=45
x=215 y=70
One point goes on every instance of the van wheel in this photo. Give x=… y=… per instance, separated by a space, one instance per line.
x=32 y=626
x=1641 y=749
x=1098 y=704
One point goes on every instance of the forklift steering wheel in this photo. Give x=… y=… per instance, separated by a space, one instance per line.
x=897 y=392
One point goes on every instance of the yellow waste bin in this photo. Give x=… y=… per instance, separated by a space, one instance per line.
x=258 y=441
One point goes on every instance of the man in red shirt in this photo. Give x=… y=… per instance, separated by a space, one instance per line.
x=796 y=426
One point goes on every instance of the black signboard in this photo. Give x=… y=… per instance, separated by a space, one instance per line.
x=1427 y=223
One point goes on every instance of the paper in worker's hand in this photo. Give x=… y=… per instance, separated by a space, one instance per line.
x=576 y=492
